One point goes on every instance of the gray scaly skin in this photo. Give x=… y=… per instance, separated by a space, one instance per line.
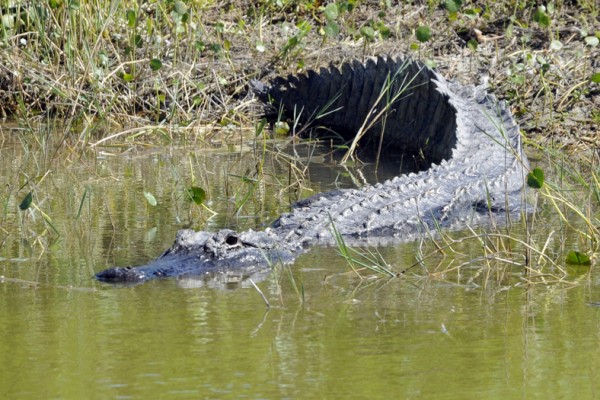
x=466 y=143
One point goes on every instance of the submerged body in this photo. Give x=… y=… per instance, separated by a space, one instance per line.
x=466 y=145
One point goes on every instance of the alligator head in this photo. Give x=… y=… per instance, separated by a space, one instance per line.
x=208 y=253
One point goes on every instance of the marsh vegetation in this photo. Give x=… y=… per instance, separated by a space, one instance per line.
x=124 y=121
x=112 y=77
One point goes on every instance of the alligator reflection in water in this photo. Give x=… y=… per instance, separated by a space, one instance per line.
x=468 y=144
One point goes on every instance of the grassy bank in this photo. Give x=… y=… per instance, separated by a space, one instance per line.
x=189 y=62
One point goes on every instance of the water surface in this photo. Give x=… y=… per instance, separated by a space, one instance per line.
x=471 y=333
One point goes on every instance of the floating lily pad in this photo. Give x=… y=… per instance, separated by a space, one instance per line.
x=196 y=194
x=577 y=258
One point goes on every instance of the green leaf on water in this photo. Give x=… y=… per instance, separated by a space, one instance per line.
x=596 y=77
x=151 y=199
x=196 y=194
x=26 y=202
x=535 y=179
x=577 y=258
x=423 y=34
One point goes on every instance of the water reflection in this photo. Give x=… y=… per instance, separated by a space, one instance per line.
x=351 y=338
x=223 y=280
x=327 y=333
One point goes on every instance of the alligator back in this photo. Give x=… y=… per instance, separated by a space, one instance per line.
x=393 y=102
x=463 y=141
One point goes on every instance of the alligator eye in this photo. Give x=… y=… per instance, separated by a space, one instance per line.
x=232 y=240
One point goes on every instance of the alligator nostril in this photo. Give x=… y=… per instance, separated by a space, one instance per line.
x=232 y=240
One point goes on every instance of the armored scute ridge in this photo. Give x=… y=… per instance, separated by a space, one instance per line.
x=465 y=143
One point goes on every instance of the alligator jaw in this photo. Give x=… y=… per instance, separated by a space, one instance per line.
x=196 y=261
x=207 y=254
x=186 y=243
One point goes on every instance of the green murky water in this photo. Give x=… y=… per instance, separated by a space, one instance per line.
x=326 y=335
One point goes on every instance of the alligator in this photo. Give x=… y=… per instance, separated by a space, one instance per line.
x=464 y=143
